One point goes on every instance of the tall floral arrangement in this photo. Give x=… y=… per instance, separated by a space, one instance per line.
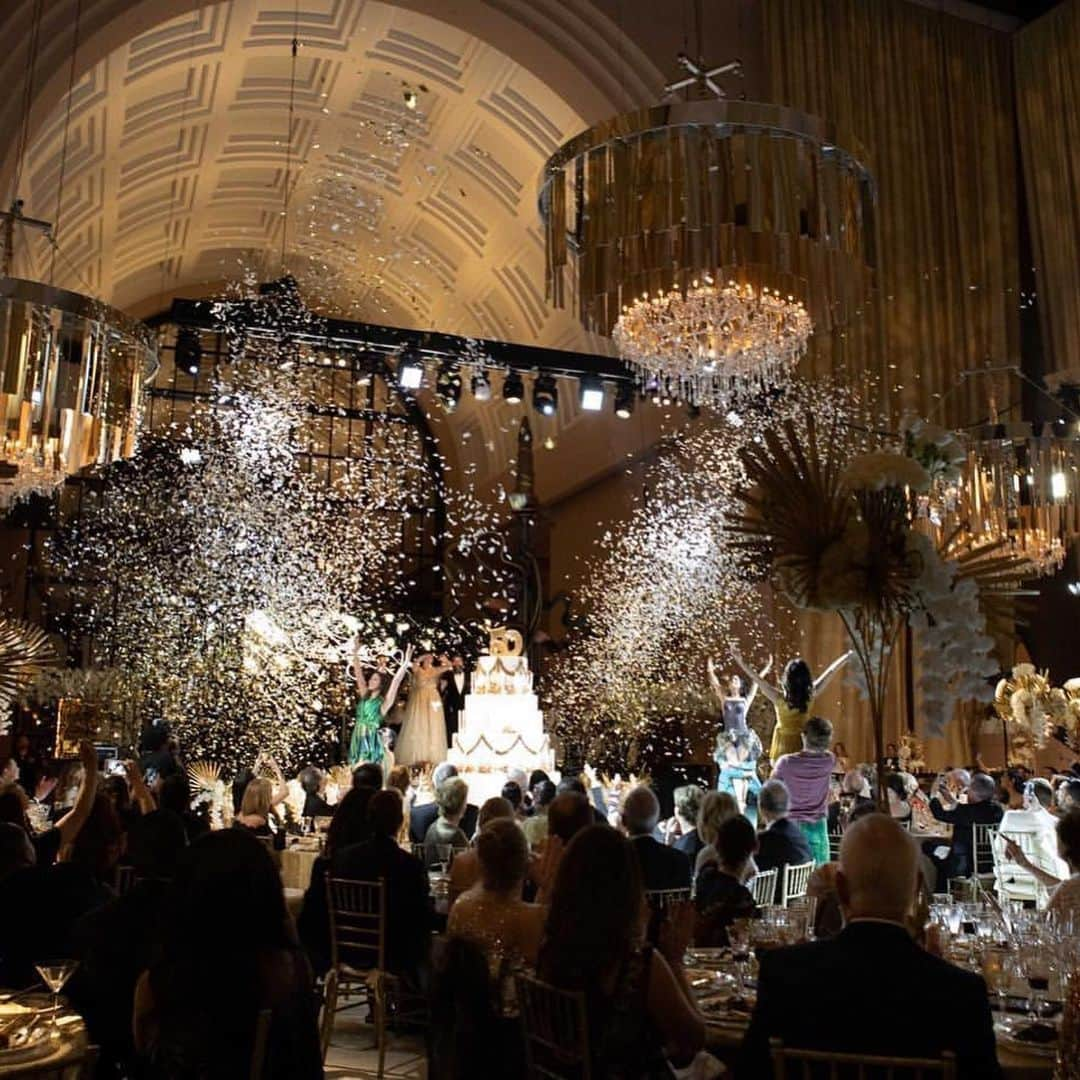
x=1031 y=708
x=838 y=533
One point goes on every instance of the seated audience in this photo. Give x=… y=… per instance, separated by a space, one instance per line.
x=721 y=895
x=450 y=798
x=536 y=825
x=368 y=775
x=981 y=808
x=491 y=914
x=117 y=942
x=782 y=843
x=687 y=805
x=423 y=815
x=855 y=790
x=512 y=793
x=716 y=808
x=828 y=918
x=574 y=785
x=661 y=867
x=896 y=791
x=465 y=869
x=1037 y=828
x=1068 y=795
x=806 y=775
x=407 y=893
x=255 y=809
x=639 y=1007
x=197 y=1005
x=313 y=781
x=16 y=851
x=47 y=845
x=174 y=795
x=1066 y=898
x=924 y=1007
x=400 y=780
x=568 y=814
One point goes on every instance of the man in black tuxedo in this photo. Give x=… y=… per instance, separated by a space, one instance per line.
x=981 y=808
x=421 y=817
x=312 y=780
x=453 y=687
x=662 y=867
x=408 y=899
x=782 y=843
x=920 y=1007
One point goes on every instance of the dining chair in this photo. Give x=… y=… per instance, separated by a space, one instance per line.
x=555 y=1029
x=762 y=887
x=661 y=899
x=357 y=954
x=828 y=1065
x=835 y=837
x=985 y=855
x=795 y=881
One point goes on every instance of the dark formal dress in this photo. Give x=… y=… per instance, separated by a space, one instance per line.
x=408 y=900
x=453 y=687
x=662 y=867
x=720 y=900
x=689 y=845
x=920 y=1005
x=316 y=806
x=963 y=818
x=421 y=818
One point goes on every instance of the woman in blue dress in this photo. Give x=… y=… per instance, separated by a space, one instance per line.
x=738 y=746
x=377 y=695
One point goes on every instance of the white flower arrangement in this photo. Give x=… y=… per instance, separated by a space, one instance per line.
x=940 y=451
x=883 y=469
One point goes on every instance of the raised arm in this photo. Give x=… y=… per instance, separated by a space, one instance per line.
x=281 y=786
x=395 y=683
x=823 y=679
x=714 y=680
x=70 y=824
x=757 y=682
x=140 y=793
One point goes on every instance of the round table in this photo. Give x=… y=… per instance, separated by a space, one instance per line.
x=296 y=864
x=64 y=1061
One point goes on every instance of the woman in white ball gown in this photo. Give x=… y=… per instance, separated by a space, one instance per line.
x=423 y=731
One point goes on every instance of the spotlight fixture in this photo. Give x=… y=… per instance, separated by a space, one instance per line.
x=592 y=394
x=188 y=353
x=624 y=401
x=513 y=388
x=410 y=371
x=545 y=395
x=448 y=385
x=481 y=386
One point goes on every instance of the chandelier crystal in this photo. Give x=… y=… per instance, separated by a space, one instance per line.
x=714 y=344
x=652 y=209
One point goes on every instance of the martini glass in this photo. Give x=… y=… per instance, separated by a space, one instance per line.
x=55 y=974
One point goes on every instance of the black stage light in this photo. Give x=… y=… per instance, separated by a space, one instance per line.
x=624 y=400
x=545 y=395
x=513 y=388
x=481 y=386
x=410 y=370
x=188 y=353
x=448 y=385
x=591 y=394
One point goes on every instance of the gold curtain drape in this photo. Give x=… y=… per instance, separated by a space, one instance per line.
x=930 y=96
x=1047 y=57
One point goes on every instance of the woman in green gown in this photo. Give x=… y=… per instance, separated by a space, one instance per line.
x=377 y=695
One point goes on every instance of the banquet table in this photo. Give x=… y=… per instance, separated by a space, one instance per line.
x=725 y=1028
x=297 y=861
x=66 y=1049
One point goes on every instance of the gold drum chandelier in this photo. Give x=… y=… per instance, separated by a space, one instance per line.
x=73 y=373
x=709 y=239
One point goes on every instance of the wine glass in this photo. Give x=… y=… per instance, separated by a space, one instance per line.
x=1037 y=963
x=739 y=940
x=55 y=974
x=996 y=972
x=443 y=855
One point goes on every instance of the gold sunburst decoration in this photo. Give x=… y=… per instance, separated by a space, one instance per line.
x=25 y=652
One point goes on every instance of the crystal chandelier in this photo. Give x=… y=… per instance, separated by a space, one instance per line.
x=653 y=209
x=714 y=343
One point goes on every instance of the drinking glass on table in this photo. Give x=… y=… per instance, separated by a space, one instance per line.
x=739 y=940
x=1037 y=961
x=995 y=969
x=55 y=974
x=443 y=854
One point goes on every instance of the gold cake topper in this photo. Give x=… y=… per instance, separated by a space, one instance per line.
x=504 y=642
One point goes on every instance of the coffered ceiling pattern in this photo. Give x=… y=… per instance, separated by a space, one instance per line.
x=183 y=169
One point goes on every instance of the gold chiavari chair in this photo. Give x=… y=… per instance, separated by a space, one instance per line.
x=762 y=887
x=661 y=899
x=795 y=882
x=556 y=1031
x=826 y=1065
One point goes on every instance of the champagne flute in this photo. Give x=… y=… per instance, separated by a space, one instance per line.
x=56 y=974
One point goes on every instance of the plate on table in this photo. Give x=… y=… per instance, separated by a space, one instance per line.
x=707 y=957
x=20 y=1042
x=1028 y=1037
x=726 y=1007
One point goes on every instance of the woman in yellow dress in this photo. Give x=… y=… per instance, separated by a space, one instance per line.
x=793 y=700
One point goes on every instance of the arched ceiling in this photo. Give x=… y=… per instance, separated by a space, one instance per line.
x=180 y=161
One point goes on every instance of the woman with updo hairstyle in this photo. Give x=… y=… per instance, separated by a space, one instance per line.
x=491 y=914
x=793 y=700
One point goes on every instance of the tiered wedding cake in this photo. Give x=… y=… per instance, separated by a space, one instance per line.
x=501 y=726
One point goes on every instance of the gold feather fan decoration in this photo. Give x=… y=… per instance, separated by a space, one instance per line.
x=25 y=651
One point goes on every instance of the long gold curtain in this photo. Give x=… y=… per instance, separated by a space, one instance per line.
x=1047 y=55
x=930 y=97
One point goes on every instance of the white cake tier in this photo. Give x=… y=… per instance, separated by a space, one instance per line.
x=502 y=676
x=498 y=716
